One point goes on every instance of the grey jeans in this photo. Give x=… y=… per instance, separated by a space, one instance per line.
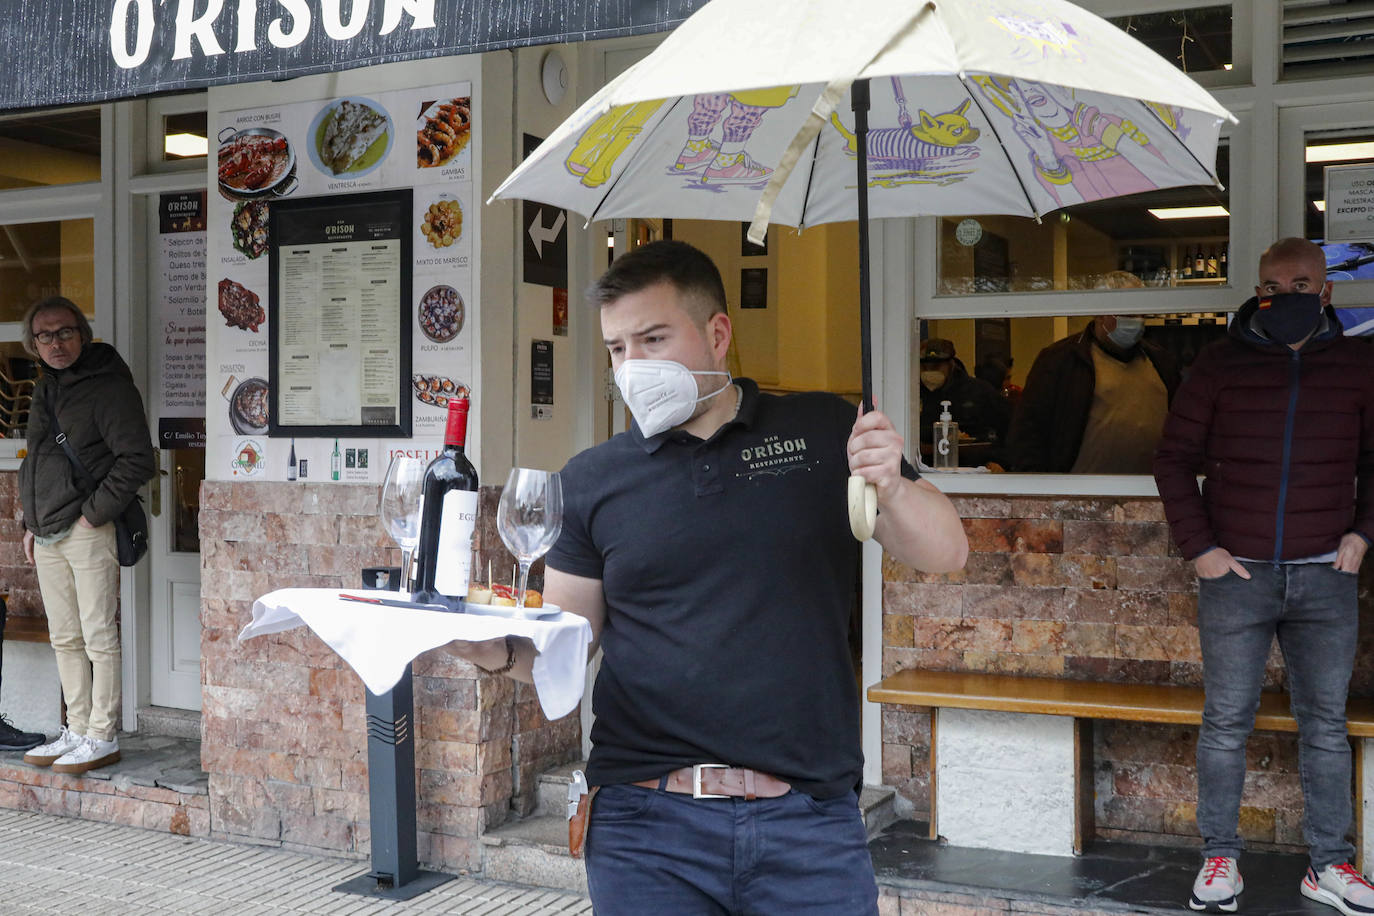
x=1311 y=608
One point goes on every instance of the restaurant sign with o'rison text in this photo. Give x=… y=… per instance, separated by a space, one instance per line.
x=66 y=52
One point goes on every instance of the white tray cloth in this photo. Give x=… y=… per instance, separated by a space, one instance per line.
x=379 y=641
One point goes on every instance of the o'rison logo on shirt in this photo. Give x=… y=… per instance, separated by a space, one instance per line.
x=776 y=456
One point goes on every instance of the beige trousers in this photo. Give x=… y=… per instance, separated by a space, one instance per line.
x=79 y=580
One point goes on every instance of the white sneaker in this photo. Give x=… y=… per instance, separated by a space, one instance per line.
x=46 y=754
x=1341 y=886
x=89 y=754
x=1217 y=885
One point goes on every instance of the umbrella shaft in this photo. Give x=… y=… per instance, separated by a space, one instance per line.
x=858 y=94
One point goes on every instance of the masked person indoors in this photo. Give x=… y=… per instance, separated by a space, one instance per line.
x=69 y=531
x=1279 y=417
x=709 y=547
x=1094 y=402
x=979 y=408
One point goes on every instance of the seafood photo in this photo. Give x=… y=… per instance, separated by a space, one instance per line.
x=441 y=314
x=445 y=128
x=443 y=223
x=351 y=129
x=436 y=390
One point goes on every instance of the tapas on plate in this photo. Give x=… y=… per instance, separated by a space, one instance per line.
x=249 y=227
x=255 y=162
x=441 y=313
x=437 y=391
x=240 y=306
x=443 y=223
x=445 y=127
x=350 y=137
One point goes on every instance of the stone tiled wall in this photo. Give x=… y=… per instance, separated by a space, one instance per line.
x=284 y=738
x=1089 y=589
x=17 y=578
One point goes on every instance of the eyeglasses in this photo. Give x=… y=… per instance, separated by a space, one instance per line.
x=63 y=334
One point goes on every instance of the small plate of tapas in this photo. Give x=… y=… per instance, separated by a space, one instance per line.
x=445 y=127
x=499 y=601
x=437 y=390
x=350 y=137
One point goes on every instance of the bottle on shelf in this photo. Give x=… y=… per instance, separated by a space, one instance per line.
x=946 y=441
x=448 y=517
x=291 y=462
x=1212 y=263
x=1187 y=263
x=1199 y=264
x=335 y=462
x=1221 y=261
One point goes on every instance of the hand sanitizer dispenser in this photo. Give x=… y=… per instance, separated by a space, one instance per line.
x=946 y=449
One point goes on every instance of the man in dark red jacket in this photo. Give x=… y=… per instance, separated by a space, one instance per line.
x=1279 y=419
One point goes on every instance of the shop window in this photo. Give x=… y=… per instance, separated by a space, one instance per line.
x=1173 y=237
x=38 y=260
x=18 y=373
x=184 y=136
x=50 y=149
x=1347 y=159
x=1196 y=40
x=1009 y=424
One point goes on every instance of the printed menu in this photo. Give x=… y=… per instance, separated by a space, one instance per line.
x=374 y=330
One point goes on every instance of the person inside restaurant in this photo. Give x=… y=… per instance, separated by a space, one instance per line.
x=979 y=408
x=1095 y=402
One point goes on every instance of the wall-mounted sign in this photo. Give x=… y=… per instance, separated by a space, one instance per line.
x=545 y=238
x=541 y=372
x=753 y=288
x=1349 y=203
x=178 y=314
x=339 y=315
x=101 y=50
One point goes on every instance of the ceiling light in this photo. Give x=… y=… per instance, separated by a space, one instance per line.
x=1187 y=212
x=186 y=145
x=1320 y=205
x=1228 y=66
x=1340 y=152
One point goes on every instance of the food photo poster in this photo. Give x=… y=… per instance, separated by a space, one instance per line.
x=417 y=143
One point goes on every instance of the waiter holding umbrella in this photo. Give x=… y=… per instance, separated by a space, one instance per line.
x=710 y=550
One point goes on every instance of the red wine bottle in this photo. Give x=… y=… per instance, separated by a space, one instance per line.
x=448 y=515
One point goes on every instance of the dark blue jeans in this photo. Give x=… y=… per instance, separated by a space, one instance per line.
x=650 y=851
x=1311 y=608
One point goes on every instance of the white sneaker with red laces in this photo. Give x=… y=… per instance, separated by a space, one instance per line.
x=1217 y=886
x=1341 y=886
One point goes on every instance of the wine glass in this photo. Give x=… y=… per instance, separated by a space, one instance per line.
x=400 y=508
x=529 y=518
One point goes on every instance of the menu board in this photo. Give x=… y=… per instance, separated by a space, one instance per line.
x=178 y=301
x=338 y=315
x=341 y=347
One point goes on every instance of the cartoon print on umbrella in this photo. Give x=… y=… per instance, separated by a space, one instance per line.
x=930 y=152
x=726 y=162
x=592 y=159
x=1080 y=153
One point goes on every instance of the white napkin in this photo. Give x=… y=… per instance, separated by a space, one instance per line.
x=378 y=641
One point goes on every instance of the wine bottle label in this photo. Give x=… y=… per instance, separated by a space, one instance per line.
x=453 y=559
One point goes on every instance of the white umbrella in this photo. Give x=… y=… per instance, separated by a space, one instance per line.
x=756 y=110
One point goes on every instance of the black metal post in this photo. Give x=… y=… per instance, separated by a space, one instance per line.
x=858 y=94
x=396 y=874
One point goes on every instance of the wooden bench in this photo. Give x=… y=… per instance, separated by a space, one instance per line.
x=27 y=629
x=1082 y=702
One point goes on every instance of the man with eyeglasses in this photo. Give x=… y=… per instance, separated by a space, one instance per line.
x=69 y=528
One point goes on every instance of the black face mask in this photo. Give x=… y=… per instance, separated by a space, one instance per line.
x=1289 y=318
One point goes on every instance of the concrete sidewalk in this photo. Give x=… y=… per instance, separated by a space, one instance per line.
x=59 y=865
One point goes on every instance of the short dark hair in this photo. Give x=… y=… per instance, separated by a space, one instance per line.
x=690 y=271
x=54 y=304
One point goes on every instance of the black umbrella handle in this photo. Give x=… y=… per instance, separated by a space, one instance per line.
x=858 y=94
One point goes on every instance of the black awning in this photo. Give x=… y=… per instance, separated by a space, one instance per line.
x=65 y=52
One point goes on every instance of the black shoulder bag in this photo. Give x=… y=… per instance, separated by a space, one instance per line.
x=131 y=525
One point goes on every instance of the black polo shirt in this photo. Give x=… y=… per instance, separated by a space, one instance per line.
x=729 y=573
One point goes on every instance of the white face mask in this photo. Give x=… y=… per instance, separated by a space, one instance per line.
x=660 y=393
x=932 y=379
x=1127 y=332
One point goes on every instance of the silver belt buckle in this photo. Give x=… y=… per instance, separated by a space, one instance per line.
x=696 y=779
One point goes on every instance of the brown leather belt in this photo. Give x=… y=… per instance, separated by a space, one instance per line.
x=716 y=780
